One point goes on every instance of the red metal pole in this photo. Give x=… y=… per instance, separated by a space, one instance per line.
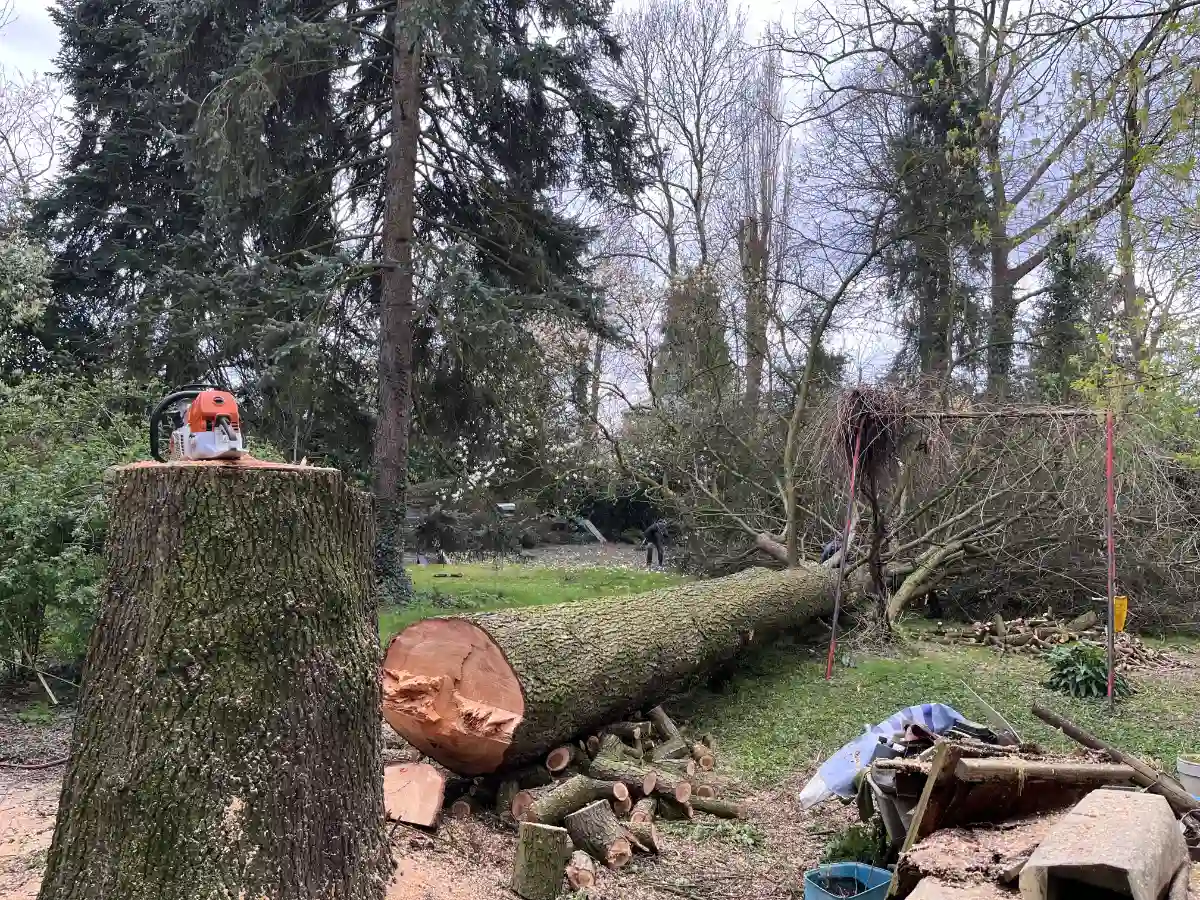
x=1112 y=553
x=837 y=591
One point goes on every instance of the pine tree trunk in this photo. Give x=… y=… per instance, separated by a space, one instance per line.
x=227 y=742
x=484 y=692
x=396 y=312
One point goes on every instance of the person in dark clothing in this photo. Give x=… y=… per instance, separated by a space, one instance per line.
x=653 y=539
x=831 y=548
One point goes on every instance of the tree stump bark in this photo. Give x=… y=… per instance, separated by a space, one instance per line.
x=542 y=853
x=227 y=741
x=596 y=830
x=559 y=801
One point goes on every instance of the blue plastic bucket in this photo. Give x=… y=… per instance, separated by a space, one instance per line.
x=874 y=881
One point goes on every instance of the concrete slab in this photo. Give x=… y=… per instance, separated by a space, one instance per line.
x=1112 y=844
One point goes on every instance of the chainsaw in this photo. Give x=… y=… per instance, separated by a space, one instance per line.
x=204 y=425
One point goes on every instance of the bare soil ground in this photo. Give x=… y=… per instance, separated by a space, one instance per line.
x=764 y=857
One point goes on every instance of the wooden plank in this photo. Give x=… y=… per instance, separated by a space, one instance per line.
x=1021 y=770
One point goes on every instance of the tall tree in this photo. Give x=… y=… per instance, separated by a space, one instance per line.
x=939 y=200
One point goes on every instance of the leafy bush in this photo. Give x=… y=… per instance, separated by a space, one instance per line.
x=1081 y=670
x=57 y=437
x=859 y=843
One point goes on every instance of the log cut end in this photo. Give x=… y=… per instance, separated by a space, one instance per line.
x=449 y=690
x=413 y=793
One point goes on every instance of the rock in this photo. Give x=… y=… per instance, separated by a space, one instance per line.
x=1120 y=841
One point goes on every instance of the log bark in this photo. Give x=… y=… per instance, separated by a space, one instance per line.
x=487 y=691
x=671 y=809
x=630 y=732
x=643 y=810
x=581 y=871
x=622 y=808
x=704 y=758
x=542 y=854
x=640 y=781
x=1144 y=774
x=726 y=809
x=596 y=830
x=644 y=836
x=558 y=802
x=666 y=729
x=227 y=741
x=413 y=793
x=668 y=785
x=680 y=767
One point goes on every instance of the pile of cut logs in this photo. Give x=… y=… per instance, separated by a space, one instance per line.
x=1037 y=634
x=591 y=802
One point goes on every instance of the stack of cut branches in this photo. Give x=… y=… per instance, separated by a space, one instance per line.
x=595 y=802
x=1036 y=634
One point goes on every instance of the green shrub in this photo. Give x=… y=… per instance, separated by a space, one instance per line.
x=859 y=843
x=57 y=437
x=1081 y=670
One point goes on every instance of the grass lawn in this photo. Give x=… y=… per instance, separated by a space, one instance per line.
x=779 y=715
x=479 y=587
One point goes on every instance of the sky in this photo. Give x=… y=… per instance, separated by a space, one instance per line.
x=29 y=42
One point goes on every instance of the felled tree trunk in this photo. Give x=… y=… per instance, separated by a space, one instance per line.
x=227 y=742
x=483 y=692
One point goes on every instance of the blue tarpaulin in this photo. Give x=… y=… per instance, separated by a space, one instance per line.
x=837 y=775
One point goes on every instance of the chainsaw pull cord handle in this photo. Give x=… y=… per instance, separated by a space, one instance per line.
x=190 y=393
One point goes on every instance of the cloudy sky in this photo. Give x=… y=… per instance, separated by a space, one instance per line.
x=30 y=41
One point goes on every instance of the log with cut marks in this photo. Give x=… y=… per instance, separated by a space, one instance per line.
x=542 y=853
x=725 y=809
x=464 y=807
x=581 y=871
x=615 y=748
x=622 y=807
x=705 y=791
x=639 y=780
x=595 y=829
x=671 y=809
x=560 y=758
x=630 y=732
x=667 y=785
x=643 y=836
x=413 y=793
x=643 y=810
x=550 y=805
x=679 y=767
x=488 y=691
x=704 y=757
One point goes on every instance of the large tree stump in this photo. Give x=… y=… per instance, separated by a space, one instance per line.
x=227 y=742
x=487 y=691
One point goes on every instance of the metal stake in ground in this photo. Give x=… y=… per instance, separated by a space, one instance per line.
x=837 y=590
x=1112 y=554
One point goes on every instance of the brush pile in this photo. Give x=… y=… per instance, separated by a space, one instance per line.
x=587 y=804
x=1037 y=634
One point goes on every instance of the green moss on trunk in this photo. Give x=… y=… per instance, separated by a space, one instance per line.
x=227 y=742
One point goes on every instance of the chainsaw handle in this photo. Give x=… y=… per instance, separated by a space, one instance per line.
x=188 y=393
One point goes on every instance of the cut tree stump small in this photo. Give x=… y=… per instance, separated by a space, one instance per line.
x=413 y=793
x=704 y=758
x=644 y=836
x=704 y=792
x=464 y=807
x=640 y=781
x=621 y=808
x=549 y=806
x=596 y=830
x=593 y=745
x=725 y=809
x=643 y=810
x=542 y=854
x=581 y=871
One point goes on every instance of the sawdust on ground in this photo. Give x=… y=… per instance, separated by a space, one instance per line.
x=763 y=858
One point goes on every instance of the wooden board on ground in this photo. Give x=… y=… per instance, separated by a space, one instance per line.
x=413 y=793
